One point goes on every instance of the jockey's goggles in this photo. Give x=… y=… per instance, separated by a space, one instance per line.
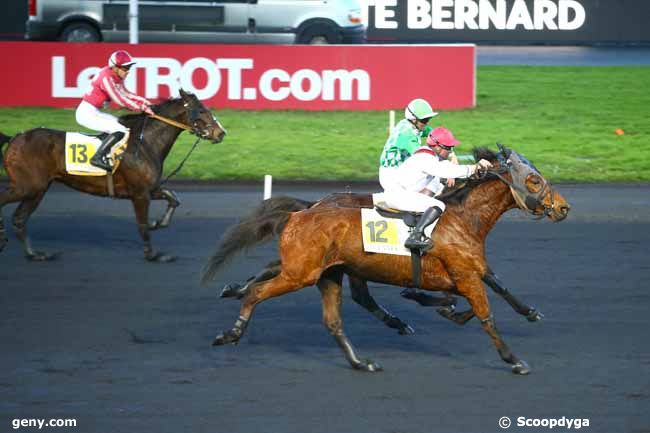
x=447 y=148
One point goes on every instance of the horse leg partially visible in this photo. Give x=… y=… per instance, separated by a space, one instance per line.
x=361 y=295
x=19 y=219
x=330 y=289
x=172 y=204
x=530 y=313
x=474 y=292
x=141 y=207
x=258 y=292
x=458 y=317
x=10 y=195
x=236 y=290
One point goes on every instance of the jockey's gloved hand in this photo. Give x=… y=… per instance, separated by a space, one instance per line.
x=147 y=109
x=483 y=165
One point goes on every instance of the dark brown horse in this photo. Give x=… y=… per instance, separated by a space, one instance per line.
x=322 y=243
x=36 y=158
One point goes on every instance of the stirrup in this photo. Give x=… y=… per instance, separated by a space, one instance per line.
x=101 y=163
x=418 y=244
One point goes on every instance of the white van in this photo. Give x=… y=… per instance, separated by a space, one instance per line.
x=199 y=21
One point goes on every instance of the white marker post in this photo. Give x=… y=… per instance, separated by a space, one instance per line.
x=133 y=21
x=268 y=180
x=391 y=121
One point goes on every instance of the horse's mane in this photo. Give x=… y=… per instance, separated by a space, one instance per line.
x=460 y=193
x=136 y=121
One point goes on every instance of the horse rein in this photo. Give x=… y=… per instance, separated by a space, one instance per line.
x=171 y=122
x=193 y=115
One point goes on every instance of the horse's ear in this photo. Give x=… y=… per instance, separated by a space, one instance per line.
x=504 y=150
x=183 y=93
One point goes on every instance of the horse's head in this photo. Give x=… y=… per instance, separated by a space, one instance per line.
x=532 y=192
x=203 y=123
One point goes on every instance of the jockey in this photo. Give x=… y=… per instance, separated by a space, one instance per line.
x=107 y=86
x=417 y=181
x=404 y=139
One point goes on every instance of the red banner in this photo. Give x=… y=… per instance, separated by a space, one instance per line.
x=341 y=77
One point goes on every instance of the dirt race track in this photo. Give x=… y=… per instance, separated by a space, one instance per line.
x=122 y=345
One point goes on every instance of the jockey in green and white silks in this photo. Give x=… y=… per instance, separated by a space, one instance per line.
x=404 y=139
x=418 y=181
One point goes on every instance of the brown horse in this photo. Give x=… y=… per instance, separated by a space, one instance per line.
x=36 y=157
x=359 y=290
x=322 y=243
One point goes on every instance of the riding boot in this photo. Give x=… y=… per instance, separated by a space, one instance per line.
x=99 y=158
x=416 y=239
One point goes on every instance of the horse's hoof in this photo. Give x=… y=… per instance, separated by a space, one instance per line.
x=228 y=337
x=402 y=328
x=446 y=312
x=534 y=315
x=166 y=258
x=230 y=290
x=521 y=367
x=154 y=225
x=38 y=256
x=369 y=366
x=408 y=293
x=159 y=257
x=406 y=330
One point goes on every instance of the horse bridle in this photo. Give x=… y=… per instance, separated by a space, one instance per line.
x=531 y=200
x=195 y=118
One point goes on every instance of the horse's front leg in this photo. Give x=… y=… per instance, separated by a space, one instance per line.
x=330 y=289
x=172 y=204
x=141 y=207
x=530 y=313
x=474 y=292
x=361 y=295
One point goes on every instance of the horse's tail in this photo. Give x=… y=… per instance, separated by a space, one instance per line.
x=265 y=222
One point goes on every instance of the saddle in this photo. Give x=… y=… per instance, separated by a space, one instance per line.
x=409 y=218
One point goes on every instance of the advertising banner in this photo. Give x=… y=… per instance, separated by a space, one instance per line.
x=507 y=21
x=350 y=77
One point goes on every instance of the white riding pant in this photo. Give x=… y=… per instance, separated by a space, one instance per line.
x=398 y=197
x=89 y=116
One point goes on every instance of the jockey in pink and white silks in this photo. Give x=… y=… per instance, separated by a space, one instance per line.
x=418 y=180
x=107 y=86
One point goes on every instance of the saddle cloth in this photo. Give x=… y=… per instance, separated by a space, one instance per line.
x=386 y=235
x=79 y=148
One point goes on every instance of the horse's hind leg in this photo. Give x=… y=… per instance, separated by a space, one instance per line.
x=19 y=220
x=236 y=290
x=530 y=313
x=330 y=290
x=361 y=295
x=258 y=292
x=172 y=204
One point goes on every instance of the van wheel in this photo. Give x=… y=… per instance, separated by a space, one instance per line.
x=319 y=34
x=79 y=32
x=318 y=40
